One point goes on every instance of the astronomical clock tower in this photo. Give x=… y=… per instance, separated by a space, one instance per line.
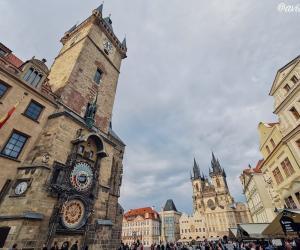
x=68 y=186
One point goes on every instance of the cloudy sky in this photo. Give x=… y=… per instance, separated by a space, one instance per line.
x=196 y=79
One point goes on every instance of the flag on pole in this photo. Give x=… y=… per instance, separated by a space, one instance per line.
x=4 y=119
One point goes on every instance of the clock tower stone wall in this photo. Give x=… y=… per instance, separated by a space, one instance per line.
x=72 y=153
x=72 y=73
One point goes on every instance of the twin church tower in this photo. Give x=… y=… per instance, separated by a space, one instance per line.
x=214 y=209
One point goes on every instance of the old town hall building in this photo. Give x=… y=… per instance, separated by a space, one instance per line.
x=214 y=209
x=61 y=162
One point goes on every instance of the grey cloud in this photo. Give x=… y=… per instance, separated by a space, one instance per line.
x=197 y=78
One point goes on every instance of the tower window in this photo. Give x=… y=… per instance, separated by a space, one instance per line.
x=268 y=149
x=287 y=167
x=81 y=149
x=294 y=79
x=98 y=76
x=2 y=53
x=218 y=182
x=3 y=89
x=298 y=143
x=295 y=113
x=14 y=145
x=33 y=110
x=287 y=88
x=32 y=77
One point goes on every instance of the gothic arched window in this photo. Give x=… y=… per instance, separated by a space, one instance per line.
x=218 y=182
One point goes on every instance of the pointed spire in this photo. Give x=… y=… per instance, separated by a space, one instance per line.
x=71 y=29
x=216 y=166
x=214 y=163
x=124 y=43
x=98 y=11
x=196 y=170
x=100 y=8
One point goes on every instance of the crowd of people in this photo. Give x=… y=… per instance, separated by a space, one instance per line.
x=65 y=246
x=283 y=244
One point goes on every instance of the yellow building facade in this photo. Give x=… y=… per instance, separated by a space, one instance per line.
x=61 y=162
x=259 y=194
x=280 y=142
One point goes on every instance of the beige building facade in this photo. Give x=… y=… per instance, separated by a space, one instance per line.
x=213 y=205
x=61 y=162
x=141 y=225
x=280 y=142
x=259 y=194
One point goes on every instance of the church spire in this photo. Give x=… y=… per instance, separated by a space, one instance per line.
x=215 y=165
x=196 y=170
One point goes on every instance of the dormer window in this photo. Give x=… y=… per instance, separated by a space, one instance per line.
x=2 y=53
x=33 y=77
x=287 y=88
x=294 y=79
x=295 y=113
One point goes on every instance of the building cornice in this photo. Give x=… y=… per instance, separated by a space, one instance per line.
x=287 y=99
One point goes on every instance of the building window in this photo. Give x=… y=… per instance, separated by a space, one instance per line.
x=268 y=149
x=287 y=88
x=81 y=149
x=273 y=143
x=295 y=113
x=14 y=145
x=290 y=202
x=98 y=76
x=32 y=77
x=3 y=89
x=2 y=52
x=298 y=143
x=298 y=196
x=277 y=175
x=287 y=167
x=33 y=110
x=218 y=182
x=294 y=79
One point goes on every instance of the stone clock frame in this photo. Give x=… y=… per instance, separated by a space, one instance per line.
x=16 y=183
x=61 y=187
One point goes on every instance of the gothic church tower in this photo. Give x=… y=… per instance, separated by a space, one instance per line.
x=198 y=182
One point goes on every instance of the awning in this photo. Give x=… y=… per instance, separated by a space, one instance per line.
x=251 y=230
x=290 y=218
x=233 y=232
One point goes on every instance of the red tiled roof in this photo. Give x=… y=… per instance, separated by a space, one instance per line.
x=258 y=166
x=11 y=58
x=142 y=212
x=254 y=170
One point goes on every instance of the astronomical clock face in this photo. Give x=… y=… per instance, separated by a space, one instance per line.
x=73 y=214
x=108 y=46
x=81 y=176
x=21 y=188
